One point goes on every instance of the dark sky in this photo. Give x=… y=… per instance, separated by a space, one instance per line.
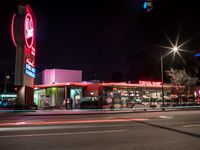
x=107 y=39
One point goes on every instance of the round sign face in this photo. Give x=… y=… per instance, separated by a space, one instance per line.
x=29 y=30
x=117 y=100
x=109 y=100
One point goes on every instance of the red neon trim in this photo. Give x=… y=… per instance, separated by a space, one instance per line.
x=30 y=62
x=125 y=85
x=12 y=30
x=111 y=84
x=33 y=49
x=26 y=40
x=33 y=53
x=62 y=84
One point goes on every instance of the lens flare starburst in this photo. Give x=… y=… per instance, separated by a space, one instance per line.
x=175 y=48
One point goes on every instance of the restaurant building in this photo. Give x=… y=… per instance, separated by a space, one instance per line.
x=55 y=86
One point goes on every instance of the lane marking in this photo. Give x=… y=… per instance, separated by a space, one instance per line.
x=3 y=129
x=66 y=133
x=191 y=125
x=165 y=117
x=20 y=123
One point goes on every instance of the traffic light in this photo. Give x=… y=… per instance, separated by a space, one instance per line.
x=148 y=5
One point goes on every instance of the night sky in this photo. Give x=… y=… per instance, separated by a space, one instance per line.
x=107 y=39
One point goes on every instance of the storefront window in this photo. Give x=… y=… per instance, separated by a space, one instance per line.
x=89 y=102
x=39 y=98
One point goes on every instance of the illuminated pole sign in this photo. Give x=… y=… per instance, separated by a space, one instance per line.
x=30 y=71
x=23 y=30
x=29 y=30
x=29 y=40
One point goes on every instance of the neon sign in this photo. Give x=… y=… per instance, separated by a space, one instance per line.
x=29 y=30
x=30 y=71
x=29 y=40
x=8 y=95
x=149 y=83
x=30 y=62
x=33 y=51
x=30 y=68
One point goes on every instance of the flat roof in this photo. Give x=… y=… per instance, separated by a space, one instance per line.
x=111 y=84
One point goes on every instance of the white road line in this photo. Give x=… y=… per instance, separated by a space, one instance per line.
x=55 y=134
x=165 y=117
x=191 y=125
x=3 y=129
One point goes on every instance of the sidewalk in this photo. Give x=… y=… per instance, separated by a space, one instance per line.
x=93 y=111
x=46 y=112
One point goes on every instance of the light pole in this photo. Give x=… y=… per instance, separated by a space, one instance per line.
x=175 y=50
x=161 y=62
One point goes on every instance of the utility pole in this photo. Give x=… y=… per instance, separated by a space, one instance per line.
x=162 y=82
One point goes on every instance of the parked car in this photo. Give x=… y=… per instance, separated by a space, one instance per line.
x=9 y=103
x=1 y=102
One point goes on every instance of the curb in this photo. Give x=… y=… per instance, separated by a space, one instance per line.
x=99 y=113
x=17 y=111
x=95 y=112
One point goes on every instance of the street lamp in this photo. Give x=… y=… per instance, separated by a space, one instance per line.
x=161 y=59
x=174 y=49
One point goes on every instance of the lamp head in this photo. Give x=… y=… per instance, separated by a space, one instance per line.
x=175 y=49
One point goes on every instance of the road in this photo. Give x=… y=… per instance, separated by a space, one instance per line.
x=172 y=130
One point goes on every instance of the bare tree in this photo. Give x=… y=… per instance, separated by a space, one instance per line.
x=185 y=84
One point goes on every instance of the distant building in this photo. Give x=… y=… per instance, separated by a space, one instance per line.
x=52 y=76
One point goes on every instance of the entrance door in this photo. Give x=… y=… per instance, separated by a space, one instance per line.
x=76 y=96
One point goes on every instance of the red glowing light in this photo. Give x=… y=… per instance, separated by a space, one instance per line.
x=30 y=62
x=29 y=30
x=12 y=30
x=149 y=83
x=73 y=121
x=62 y=84
x=33 y=51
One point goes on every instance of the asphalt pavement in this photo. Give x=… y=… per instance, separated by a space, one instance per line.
x=172 y=130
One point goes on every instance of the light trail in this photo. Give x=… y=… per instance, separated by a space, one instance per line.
x=71 y=122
